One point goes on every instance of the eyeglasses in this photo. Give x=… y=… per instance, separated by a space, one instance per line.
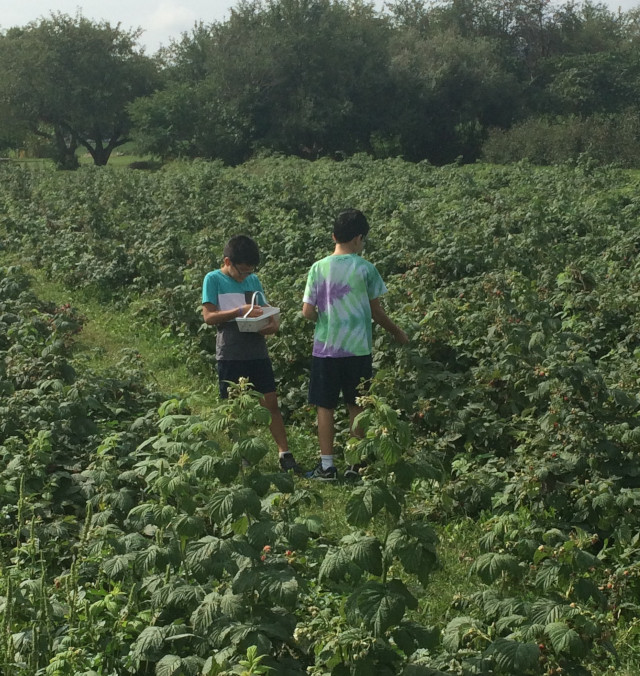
x=246 y=271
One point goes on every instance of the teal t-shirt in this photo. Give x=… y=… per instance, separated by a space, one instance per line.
x=227 y=294
x=340 y=287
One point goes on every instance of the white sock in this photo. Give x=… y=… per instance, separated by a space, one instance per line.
x=283 y=453
x=327 y=461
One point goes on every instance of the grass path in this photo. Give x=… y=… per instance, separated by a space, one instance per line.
x=109 y=334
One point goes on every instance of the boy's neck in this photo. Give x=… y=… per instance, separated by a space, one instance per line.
x=344 y=249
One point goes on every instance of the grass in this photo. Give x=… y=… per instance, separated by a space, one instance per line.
x=122 y=156
x=109 y=334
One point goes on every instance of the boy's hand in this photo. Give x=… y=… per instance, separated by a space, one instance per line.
x=256 y=312
x=271 y=327
x=401 y=336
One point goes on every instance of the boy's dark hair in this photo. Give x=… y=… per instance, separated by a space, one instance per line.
x=242 y=250
x=349 y=224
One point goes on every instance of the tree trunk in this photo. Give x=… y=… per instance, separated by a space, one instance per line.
x=64 y=154
x=100 y=156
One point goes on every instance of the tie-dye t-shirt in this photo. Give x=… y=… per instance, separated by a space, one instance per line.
x=340 y=287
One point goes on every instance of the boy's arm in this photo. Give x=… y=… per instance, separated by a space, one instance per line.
x=272 y=327
x=380 y=317
x=309 y=312
x=212 y=315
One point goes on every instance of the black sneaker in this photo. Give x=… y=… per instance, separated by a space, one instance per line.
x=329 y=474
x=352 y=473
x=288 y=464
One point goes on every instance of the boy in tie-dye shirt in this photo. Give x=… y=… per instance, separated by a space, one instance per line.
x=342 y=296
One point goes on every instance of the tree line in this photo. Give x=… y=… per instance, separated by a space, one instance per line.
x=437 y=81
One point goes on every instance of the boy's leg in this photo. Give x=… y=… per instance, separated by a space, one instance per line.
x=354 y=381
x=354 y=411
x=352 y=473
x=277 y=428
x=326 y=430
x=324 y=391
x=279 y=433
x=226 y=373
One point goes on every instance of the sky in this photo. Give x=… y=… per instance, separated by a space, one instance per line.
x=161 y=20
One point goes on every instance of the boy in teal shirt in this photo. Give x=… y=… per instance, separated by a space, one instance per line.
x=226 y=295
x=342 y=296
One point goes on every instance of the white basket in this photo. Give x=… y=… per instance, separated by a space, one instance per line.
x=252 y=324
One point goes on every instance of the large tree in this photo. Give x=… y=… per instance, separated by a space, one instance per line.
x=449 y=90
x=69 y=79
x=306 y=77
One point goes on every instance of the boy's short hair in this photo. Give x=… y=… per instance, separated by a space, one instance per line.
x=242 y=250
x=349 y=224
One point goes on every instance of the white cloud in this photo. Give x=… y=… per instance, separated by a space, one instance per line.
x=171 y=18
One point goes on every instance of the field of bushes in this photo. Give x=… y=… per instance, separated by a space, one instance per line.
x=497 y=530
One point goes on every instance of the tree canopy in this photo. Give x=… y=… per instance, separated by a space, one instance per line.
x=69 y=80
x=421 y=80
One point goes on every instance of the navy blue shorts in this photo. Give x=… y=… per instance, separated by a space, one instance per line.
x=258 y=371
x=332 y=375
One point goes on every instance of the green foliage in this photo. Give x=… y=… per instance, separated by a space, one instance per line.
x=605 y=138
x=135 y=537
x=69 y=80
x=325 y=78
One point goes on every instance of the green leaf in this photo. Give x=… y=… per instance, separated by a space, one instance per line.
x=389 y=450
x=206 y=613
x=456 y=630
x=548 y=574
x=283 y=481
x=335 y=565
x=587 y=589
x=514 y=657
x=205 y=466
x=232 y=502
x=148 y=643
x=380 y=606
x=545 y=611
x=227 y=470
x=116 y=565
x=313 y=523
x=297 y=535
x=259 y=483
x=415 y=546
x=261 y=533
x=411 y=636
x=508 y=622
x=564 y=639
x=246 y=580
x=537 y=338
x=405 y=473
x=489 y=567
x=421 y=670
x=365 y=502
x=233 y=605
x=279 y=586
x=364 y=551
x=184 y=596
x=495 y=606
x=584 y=561
x=169 y=665
x=399 y=587
x=603 y=501
x=252 y=449
x=211 y=556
